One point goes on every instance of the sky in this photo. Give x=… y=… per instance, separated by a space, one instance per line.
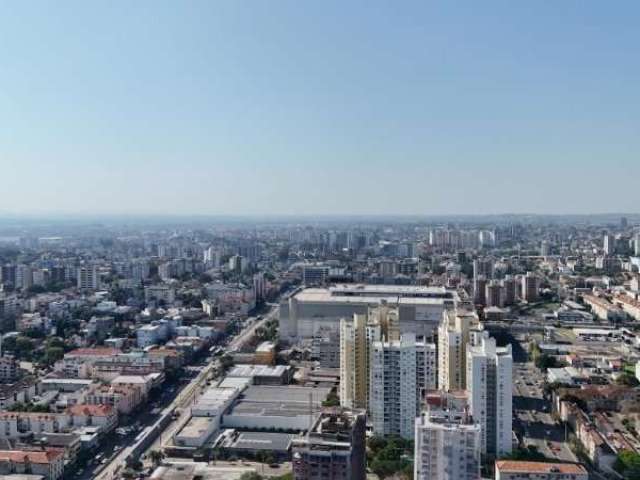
x=327 y=107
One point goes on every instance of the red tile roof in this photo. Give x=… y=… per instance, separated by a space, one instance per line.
x=98 y=352
x=93 y=410
x=514 y=466
x=22 y=456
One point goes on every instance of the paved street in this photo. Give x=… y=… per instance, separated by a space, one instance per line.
x=532 y=418
x=113 y=454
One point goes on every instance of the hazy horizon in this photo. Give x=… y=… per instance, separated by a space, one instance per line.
x=318 y=109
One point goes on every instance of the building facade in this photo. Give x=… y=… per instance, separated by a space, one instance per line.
x=489 y=384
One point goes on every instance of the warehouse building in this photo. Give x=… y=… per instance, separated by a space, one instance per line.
x=312 y=310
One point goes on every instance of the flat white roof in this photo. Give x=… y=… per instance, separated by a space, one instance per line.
x=317 y=295
x=258 y=370
x=393 y=289
x=595 y=331
x=196 y=427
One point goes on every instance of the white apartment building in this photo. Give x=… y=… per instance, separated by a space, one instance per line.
x=160 y=293
x=447 y=446
x=426 y=366
x=8 y=368
x=489 y=384
x=88 y=278
x=393 y=394
x=24 y=277
x=152 y=334
x=609 y=244
x=314 y=274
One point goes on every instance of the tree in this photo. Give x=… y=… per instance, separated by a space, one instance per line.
x=250 y=476
x=53 y=354
x=390 y=456
x=628 y=465
x=9 y=344
x=24 y=347
x=35 y=289
x=332 y=399
x=544 y=362
x=156 y=457
x=205 y=278
x=226 y=361
x=528 y=454
x=627 y=379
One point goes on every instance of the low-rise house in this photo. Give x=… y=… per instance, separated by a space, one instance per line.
x=143 y=383
x=17 y=425
x=265 y=354
x=521 y=470
x=630 y=305
x=123 y=397
x=21 y=391
x=68 y=442
x=603 y=309
x=592 y=398
x=48 y=463
x=78 y=363
x=103 y=416
x=134 y=363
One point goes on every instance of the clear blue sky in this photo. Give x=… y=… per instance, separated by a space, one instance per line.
x=300 y=107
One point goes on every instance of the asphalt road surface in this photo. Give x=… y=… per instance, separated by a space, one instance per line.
x=532 y=414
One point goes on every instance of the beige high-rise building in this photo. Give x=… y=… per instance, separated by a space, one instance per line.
x=494 y=296
x=353 y=362
x=530 y=284
x=510 y=286
x=454 y=333
x=387 y=318
x=358 y=335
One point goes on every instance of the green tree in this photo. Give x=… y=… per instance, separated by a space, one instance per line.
x=24 y=347
x=53 y=354
x=544 y=362
x=226 y=361
x=627 y=379
x=332 y=400
x=250 y=476
x=628 y=465
x=528 y=454
x=390 y=456
x=156 y=457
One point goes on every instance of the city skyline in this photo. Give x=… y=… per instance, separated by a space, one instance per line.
x=289 y=109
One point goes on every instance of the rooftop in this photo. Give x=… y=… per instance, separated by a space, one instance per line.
x=191 y=470
x=97 y=352
x=261 y=441
x=258 y=371
x=289 y=394
x=402 y=294
x=24 y=456
x=513 y=466
x=92 y=410
x=196 y=426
